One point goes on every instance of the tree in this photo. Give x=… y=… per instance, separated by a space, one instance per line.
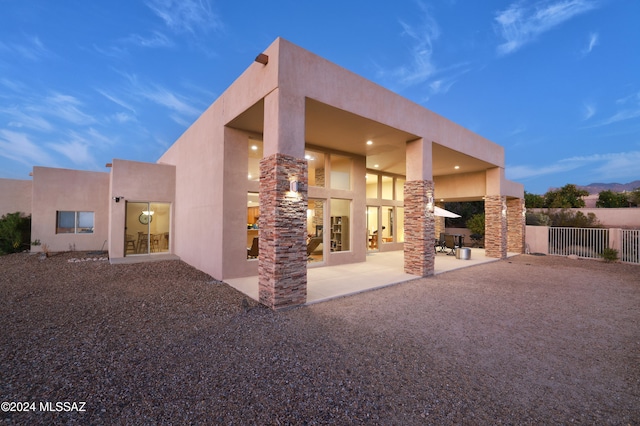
x=567 y=197
x=533 y=201
x=610 y=199
x=15 y=232
x=634 y=197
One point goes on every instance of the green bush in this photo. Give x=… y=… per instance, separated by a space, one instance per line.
x=537 y=219
x=571 y=219
x=609 y=254
x=476 y=224
x=15 y=232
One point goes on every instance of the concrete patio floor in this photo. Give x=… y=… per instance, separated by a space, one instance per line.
x=380 y=270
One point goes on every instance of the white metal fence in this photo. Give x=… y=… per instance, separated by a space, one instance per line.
x=630 y=250
x=583 y=242
x=591 y=242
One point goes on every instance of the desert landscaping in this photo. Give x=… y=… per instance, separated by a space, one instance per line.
x=528 y=340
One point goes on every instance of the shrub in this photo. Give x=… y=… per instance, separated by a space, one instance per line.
x=476 y=224
x=537 y=219
x=609 y=254
x=15 y=232
x=569 y=218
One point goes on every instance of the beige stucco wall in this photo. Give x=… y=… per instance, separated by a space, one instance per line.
x=460 y=186
x=537 y=239
x=15 y=196
x=69 y=190
x=136 y=182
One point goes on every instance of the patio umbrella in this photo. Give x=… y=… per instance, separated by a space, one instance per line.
x=444 y=213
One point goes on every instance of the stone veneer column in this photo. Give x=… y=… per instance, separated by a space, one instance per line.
x=419 y=228
x=516 y=225
x=440 y=225
x=282 y=262
x=495 y=225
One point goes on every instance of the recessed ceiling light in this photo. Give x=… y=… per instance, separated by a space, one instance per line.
x=456 y=167
x=375 y=165
x=253 y=147
x=369 y=142
x=307 y=157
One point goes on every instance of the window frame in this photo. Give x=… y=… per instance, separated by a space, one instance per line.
x=76 y=229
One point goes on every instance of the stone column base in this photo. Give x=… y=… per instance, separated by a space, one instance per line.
x=495 y=224
x=282 y=262
x=419 y=228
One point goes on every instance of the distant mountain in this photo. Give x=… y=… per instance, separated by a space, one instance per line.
x=596 y=188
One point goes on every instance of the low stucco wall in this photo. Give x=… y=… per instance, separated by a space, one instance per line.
x=537 y=239
x=15 y=196
x=69 y=190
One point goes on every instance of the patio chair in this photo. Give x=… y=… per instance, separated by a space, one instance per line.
x=440 y=243
x=312 y=245
x=253 y=252
x=450 y=243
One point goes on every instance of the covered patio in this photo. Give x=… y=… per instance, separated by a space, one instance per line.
x=381 y=269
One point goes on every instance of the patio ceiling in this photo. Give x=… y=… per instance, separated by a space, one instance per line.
x=335 y=129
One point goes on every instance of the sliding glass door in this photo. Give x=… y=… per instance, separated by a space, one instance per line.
x=147 y=227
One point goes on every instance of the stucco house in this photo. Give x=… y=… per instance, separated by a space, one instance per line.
x=299 y=163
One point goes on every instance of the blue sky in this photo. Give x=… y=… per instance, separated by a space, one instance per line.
x=556 y=82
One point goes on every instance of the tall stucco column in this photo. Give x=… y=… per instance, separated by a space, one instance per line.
x=419 y=221
x=495 y=225
x=419 y=228
x=516 y=225
x=282 y=262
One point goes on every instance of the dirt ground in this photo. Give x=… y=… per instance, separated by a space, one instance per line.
x=528 y=340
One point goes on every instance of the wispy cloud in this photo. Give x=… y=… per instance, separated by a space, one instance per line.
x=67 y=108
x=117 y=100
x=17 y=146
x=77 y=149
x=602 y=167
x=192 y=16
x=630 y=109
x=589 y=110
x=592 y=42
x=155 y=40
x=521 y=23
x=422 y=38
x=21 y=119
x=421 y=69
x=32 y=50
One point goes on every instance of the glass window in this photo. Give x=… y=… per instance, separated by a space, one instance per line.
x=68 y=222
x=315 y=230
x=253 y=217
x=400 y=189
x=255 y=155
x=147 y=227
x=372 y=228
x=340 y=172
x=387 y=224
x=400 y=224
x=340 y=233
x=372 y=185
x=387 y=188
x=316 y=168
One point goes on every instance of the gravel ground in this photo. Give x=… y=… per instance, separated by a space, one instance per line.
x=529 y=340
